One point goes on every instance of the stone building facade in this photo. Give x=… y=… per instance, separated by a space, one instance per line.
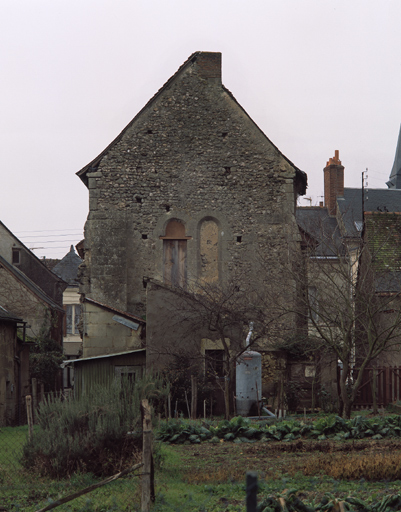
x=191 y=190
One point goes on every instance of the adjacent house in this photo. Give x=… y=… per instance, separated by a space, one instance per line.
x=43 y=316
x=17 y=254
x=14 y=368
x=34 y=295
x=190 y=193
x=67 y=269
x=354 y=272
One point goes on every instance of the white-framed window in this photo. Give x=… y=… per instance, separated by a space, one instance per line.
x=72 y=318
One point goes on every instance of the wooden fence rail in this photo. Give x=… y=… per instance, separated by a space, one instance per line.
x=388 y=386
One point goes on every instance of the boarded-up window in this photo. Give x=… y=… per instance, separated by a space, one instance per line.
x=175 y=254
x=175 y=262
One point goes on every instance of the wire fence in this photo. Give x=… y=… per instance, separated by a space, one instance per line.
x=24 y=490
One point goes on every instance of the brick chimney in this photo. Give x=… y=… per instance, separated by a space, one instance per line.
x=333 y=182
x=209 y=65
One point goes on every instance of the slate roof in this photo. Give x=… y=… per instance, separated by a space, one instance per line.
x=20 y=276
x=92 y=166
x=31 y=254
x=317 y=223
x=375 y=200
x=67 y=268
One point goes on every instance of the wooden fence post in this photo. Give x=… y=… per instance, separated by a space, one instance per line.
x=148 y=493
x=28 y=401
x=251 y=491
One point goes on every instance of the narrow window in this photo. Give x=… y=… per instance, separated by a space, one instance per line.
x=209 y=251
x=72 y=318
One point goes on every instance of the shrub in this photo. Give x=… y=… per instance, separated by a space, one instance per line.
x=98 y=433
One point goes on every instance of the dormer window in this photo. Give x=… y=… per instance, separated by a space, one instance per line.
x=16 y=256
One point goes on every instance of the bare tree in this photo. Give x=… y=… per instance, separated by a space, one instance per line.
x=233 y=316
x=351 y=296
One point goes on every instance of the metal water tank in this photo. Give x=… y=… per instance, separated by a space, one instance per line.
x=248 y=381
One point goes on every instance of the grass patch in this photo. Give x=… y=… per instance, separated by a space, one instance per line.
x=211 y=477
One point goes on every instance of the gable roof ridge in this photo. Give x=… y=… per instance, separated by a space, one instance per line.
x=31 y=253
x=82 y=173
x=303 y=173
x=92 y=165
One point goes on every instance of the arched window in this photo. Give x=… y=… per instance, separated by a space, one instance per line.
x=175 y=254
x=209 y=250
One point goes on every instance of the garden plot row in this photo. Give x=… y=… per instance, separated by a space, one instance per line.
x=243 y=430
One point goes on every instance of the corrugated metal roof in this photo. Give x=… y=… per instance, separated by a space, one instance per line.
x=83 y=359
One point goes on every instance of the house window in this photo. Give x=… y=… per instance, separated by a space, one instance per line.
x=16 y=256
x=72 y=318
x=175 y=254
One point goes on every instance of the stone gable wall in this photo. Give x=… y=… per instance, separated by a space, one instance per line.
x=193 y=155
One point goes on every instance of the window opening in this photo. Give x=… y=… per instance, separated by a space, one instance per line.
x=239 y=239
x=72 y=316
x=175 y=254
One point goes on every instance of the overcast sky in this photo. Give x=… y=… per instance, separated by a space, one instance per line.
x=315 y=75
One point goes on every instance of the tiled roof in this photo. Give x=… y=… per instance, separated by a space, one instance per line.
x=383 y=236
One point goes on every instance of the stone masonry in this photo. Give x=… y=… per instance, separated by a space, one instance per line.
x=193 y=155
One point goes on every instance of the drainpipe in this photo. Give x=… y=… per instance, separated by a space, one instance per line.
x=248 y=338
